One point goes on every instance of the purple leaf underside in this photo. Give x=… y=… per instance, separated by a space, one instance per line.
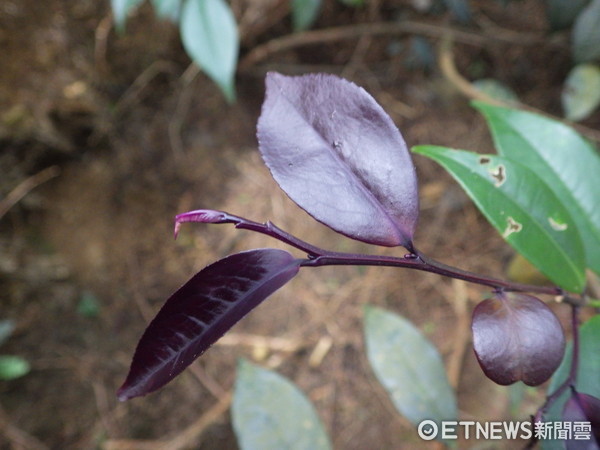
x=583 y=408
x=201 y=311
x=517 y=337
x=336 y=153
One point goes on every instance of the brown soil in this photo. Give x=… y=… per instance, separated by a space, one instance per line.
x=135 y=140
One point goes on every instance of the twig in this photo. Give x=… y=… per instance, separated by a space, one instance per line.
x=188 y=438
x=322 y=36
x=142 y=81
x=183 y=105
x=449 y=70
x=253 y=340
x=256 y=21
x=26 y=186
x=101 y=39
x=361 y=48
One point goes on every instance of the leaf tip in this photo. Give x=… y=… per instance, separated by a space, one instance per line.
x=201 y=216
x=124 y=394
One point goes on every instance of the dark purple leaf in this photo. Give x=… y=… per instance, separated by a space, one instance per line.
x=517 y=337
x=201 y=311
x=583 y=408
x=339 y=156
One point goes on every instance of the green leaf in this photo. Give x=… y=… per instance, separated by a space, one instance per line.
x=581 y=92
x=496 y=89
x=121 y=8
x=209 y=34
x=588 y=381
x=304 y=13
x=6 y=329
x=566 y=162
x=88 y=305
x=460 y=9
x=522 y=208
x=353 y=3
x=562 y=13
x=586 y=34
x=12 y=367
x=409 y=367
x=270 y=413
x=167 y=9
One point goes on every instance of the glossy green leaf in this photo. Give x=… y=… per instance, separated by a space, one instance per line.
x=564 y=160
x=304 y=13
x=270 y=413
x=209 y=34
x=12 y=367
x=120 y=9
x=496 y=89
x=409 y=367
x=522 y=208
x=167 y=9
x=586 y=33
x=581 y=92
x=588 y=381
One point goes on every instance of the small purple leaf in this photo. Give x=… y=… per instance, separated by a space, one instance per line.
x=332 y=148
x=517 y=337
x=583 y=408
x=201 y=311
x=203 y=216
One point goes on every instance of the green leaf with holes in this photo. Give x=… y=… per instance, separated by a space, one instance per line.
x=409 y=367
x=270 y=413
x=525 y=211
x=562 y=158
x=209 y=34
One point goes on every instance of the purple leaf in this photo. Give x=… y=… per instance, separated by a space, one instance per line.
x=203 y=216
x=583 y=408
x=201 y=311
x=517 y=337
x=339 y=156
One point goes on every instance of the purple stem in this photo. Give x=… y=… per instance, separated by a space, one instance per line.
x=572 y=377
x=318 y=257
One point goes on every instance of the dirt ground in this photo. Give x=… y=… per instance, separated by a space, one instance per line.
x=113 y=135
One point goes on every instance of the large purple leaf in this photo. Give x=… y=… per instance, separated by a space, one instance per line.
x=201 y=311
x=339 y=156
x=517 y=337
